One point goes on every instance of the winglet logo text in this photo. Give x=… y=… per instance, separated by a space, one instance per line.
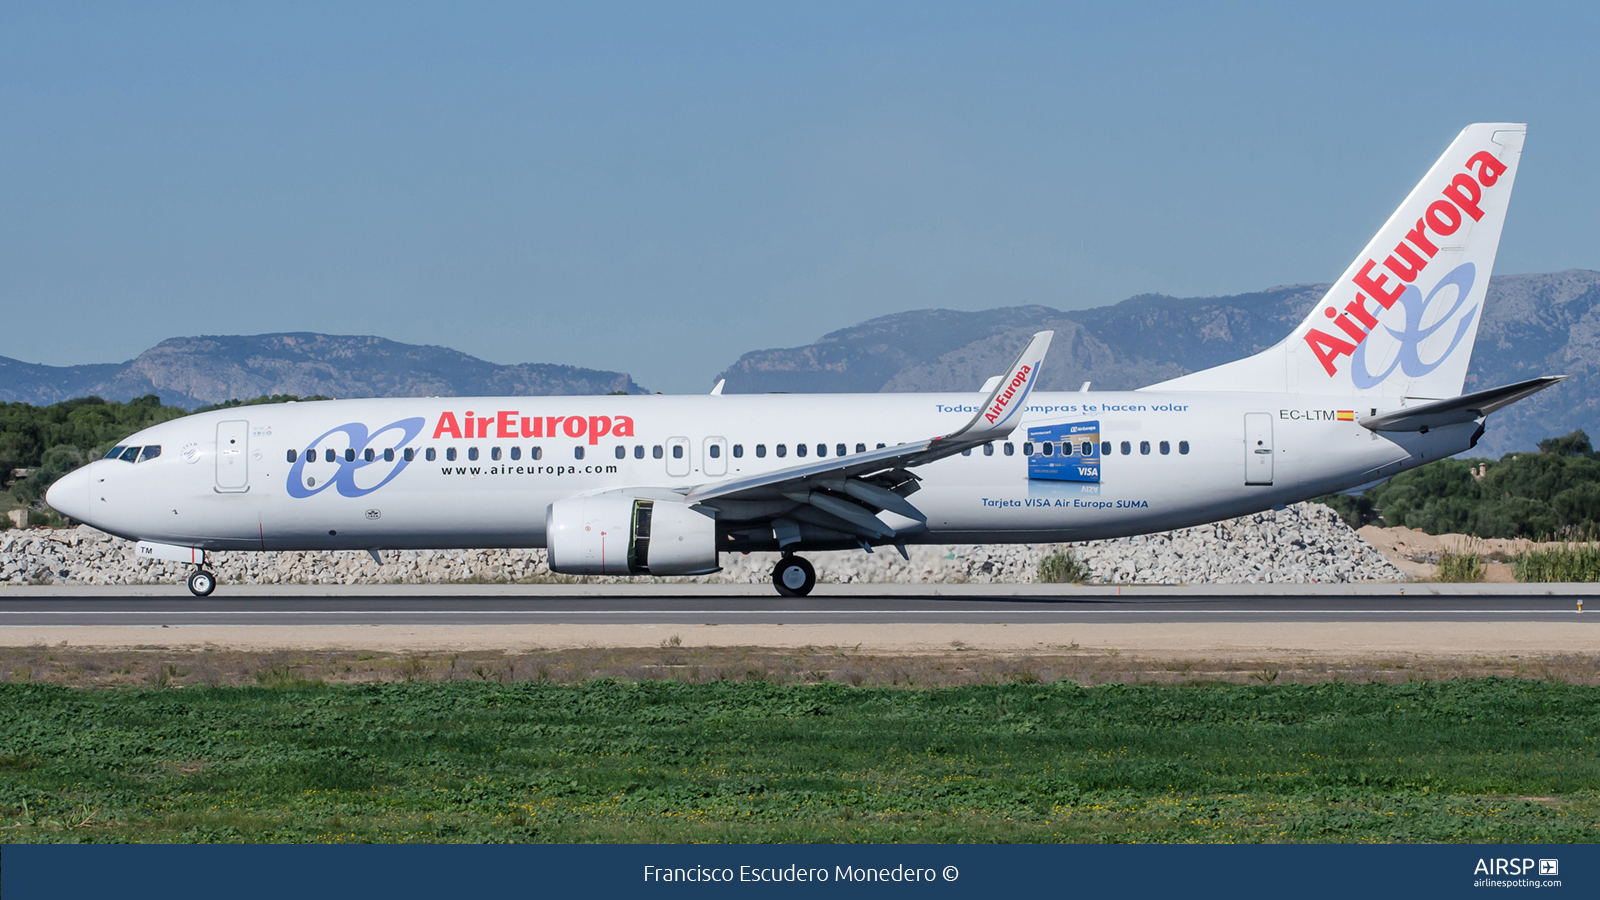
x=1003 y=400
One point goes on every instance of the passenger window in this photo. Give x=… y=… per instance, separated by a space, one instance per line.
x=494 y=453
x=783 y=450
x=1011 y=449
x=1027 y=448
x=881 y=446
x=1144 y=448
x=1088 y=448
x=761 y=451
x=967 y=452
x=1049 y=448
x=822 y=450
x=677 y=451
x=328 y=455
x=150 y=451
x=431 y=454
x=840 y=450
x=450 y=454
x=1126 y=448
x=1105 y=448
x=1166 y=448
x=656 y=451
x=577 y=452
x=516 y=453
x=369 y=455
x=536 y=453
x=292 y=455
x=388 y=454
x=410 y=454
x=622 y=452
x=638 y=451
x=115 y=452
x=799 y=449
x=715 y=450
x=1183 y=448
x=861 y=448
x=349 y=454
x=988 y=449
x=472 y=454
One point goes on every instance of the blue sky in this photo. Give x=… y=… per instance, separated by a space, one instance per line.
x=658 y=188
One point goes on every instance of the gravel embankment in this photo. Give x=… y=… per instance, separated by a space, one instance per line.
x=1304 y=543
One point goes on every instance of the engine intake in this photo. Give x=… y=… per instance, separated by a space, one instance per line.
x=629 y=536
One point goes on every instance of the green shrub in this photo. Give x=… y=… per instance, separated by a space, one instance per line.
x=1460 y=567
x=1573 y=562
x=1062 y=567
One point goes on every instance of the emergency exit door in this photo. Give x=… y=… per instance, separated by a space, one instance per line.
x=1257 y=448
x=233 y=457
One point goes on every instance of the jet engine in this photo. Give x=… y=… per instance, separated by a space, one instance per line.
x=629 y=536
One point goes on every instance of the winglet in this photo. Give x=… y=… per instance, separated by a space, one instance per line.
x=717 y=391
x=1003 y=408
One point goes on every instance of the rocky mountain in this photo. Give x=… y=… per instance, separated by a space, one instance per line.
x=195 y=371
x=1532 y=325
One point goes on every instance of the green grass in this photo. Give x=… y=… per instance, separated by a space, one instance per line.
x=1573 y=562
x=1490 y=760
x=1062 y=567
x=1460 y=567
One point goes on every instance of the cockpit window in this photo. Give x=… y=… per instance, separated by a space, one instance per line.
x=115 y=452
x=129 y=455
x=151 y=451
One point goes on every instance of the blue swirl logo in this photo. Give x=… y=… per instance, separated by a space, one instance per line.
x=1409 y=358
x=348 y=478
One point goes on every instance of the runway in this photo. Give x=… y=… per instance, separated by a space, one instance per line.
x=997 y=606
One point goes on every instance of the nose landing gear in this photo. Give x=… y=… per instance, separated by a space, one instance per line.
x=794 y=577
x=202 y=582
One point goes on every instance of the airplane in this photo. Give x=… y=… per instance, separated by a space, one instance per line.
x=1368 y=385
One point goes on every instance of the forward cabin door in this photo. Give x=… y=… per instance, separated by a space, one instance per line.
x=233 y=455
x=1257 y=448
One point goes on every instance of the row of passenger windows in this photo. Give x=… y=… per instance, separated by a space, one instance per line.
x=135 y=454
x=1029 y=448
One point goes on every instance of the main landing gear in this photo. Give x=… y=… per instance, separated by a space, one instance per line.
x=202 y=582
x=793 y=576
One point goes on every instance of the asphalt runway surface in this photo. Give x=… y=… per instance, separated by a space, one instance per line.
x=240 y=607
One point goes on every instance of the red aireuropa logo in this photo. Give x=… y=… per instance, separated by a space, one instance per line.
x=1460 y=198
x=1003 y=400
x=512 y=424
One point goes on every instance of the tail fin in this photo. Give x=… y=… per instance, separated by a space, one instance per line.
x=1401 y=320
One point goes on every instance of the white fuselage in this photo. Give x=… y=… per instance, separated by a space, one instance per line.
x=224 y=480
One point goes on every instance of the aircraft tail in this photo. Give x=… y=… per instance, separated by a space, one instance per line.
x=1401 y=320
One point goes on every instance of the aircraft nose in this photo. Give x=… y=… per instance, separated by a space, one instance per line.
x=70 y=494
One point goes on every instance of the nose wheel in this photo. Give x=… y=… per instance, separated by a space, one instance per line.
x=202 y=583
x=794 y=577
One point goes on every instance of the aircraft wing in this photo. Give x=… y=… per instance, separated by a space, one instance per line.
x=1458 y=410
x=843 y=496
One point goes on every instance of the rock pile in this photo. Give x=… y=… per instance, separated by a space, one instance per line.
x=1303 y=543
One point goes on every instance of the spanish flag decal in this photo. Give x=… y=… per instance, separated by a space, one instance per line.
x=1347 y=415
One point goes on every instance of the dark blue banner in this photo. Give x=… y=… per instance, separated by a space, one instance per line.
x=1302 y=871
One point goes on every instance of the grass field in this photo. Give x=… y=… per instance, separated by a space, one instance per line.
x=1492 y=760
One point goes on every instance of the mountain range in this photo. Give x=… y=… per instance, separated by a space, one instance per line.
x=195 y=371
x=1532 y=325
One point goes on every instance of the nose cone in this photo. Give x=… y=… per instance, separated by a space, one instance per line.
x=70 y=494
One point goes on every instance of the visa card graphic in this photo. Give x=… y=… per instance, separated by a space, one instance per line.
x=1066 y=452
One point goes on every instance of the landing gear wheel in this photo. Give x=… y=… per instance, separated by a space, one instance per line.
x=794 y=577
x=202 y=583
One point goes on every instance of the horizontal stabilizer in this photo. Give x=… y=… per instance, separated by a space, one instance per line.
x=1458 y=410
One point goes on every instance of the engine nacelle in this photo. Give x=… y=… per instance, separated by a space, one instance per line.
x=629 y=536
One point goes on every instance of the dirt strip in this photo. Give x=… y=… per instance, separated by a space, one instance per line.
x=1255 y=640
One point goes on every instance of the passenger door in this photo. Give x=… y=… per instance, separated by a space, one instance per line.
x=233 y=456
x=1257 y=448
x=678 y=456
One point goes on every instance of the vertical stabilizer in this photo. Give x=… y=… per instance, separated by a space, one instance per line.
x=1401 y=320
